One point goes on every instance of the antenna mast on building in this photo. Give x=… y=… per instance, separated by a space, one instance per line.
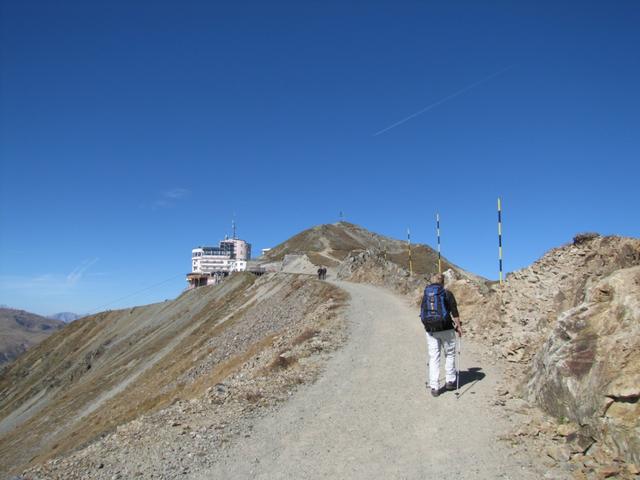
x=233 y=227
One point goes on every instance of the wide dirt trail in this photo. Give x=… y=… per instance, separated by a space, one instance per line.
x=371 y=416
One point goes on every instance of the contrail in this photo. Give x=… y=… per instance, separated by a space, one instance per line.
x=442 y=100
x=77 y=273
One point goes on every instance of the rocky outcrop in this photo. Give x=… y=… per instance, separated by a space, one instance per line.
x=377 y=267
x=515 y=318
x=371 y=266
x=588 y=369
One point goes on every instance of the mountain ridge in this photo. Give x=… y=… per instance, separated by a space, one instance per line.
x=331 y=244
x=66 y=317
x=21 y=330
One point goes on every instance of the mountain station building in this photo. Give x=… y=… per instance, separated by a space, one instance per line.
x=209 y=265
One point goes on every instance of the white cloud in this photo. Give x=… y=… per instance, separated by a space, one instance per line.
x=168 y=198
x=47 y=283
x=176 y=193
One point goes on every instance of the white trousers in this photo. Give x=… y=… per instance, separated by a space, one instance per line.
x=436 y=341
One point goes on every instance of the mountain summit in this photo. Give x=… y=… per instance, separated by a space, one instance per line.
x=331 y=244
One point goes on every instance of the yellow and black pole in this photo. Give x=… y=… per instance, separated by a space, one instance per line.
x=438 y=234
x=409 y=247
x=500 y=237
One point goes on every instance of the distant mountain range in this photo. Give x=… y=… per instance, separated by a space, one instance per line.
x=66 y=317
x=20 y=330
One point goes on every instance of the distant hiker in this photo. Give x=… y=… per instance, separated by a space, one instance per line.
x=324 y=273
x=441 y=321
x=320 y=273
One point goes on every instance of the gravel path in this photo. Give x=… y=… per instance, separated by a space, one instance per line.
x=371 y=416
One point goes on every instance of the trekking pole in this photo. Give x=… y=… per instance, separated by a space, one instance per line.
x=459 y=342
x=500 y=238
x=409 y=247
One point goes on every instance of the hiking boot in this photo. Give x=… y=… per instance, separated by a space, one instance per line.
x=435 y=392
x=450 y=386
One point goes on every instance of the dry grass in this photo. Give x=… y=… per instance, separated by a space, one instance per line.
x=307 y=334
x=319 y=259
x=423 y=259
x=281 y=361
x=147 y=395
x=340 y=254
x=65 y=365
x=253 y=397
x=311 y=241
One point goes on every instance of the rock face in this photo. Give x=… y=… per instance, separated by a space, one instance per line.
x=516 y=317
x=588 y=369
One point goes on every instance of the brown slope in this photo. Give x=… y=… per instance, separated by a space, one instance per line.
x=20 y=330
x=110 y=368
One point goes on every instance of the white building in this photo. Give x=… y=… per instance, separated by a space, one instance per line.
x=210 y=264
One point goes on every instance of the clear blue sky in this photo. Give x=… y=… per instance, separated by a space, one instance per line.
x=132 y=131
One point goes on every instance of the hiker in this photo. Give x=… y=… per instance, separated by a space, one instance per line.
x=324 y=273
x=441 y=321
x=320 y=273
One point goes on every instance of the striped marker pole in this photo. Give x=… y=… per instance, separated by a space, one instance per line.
x=409 y=246
x=438 y=234
x=500 y=237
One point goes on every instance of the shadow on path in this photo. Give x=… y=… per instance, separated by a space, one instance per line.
x=472 y=375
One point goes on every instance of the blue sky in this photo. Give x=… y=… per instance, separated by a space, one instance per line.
x=131 y=132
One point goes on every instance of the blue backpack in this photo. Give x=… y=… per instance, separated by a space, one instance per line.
x=433 y=313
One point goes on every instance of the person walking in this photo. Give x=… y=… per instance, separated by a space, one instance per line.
x=441 y=320
x=320 y=273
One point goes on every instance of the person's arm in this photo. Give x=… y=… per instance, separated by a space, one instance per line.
x=453 y=308
x=458 y=325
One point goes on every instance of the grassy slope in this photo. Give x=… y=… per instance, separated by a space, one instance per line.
x=111 y=367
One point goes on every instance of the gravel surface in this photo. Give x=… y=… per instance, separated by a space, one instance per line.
x=371 y=416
